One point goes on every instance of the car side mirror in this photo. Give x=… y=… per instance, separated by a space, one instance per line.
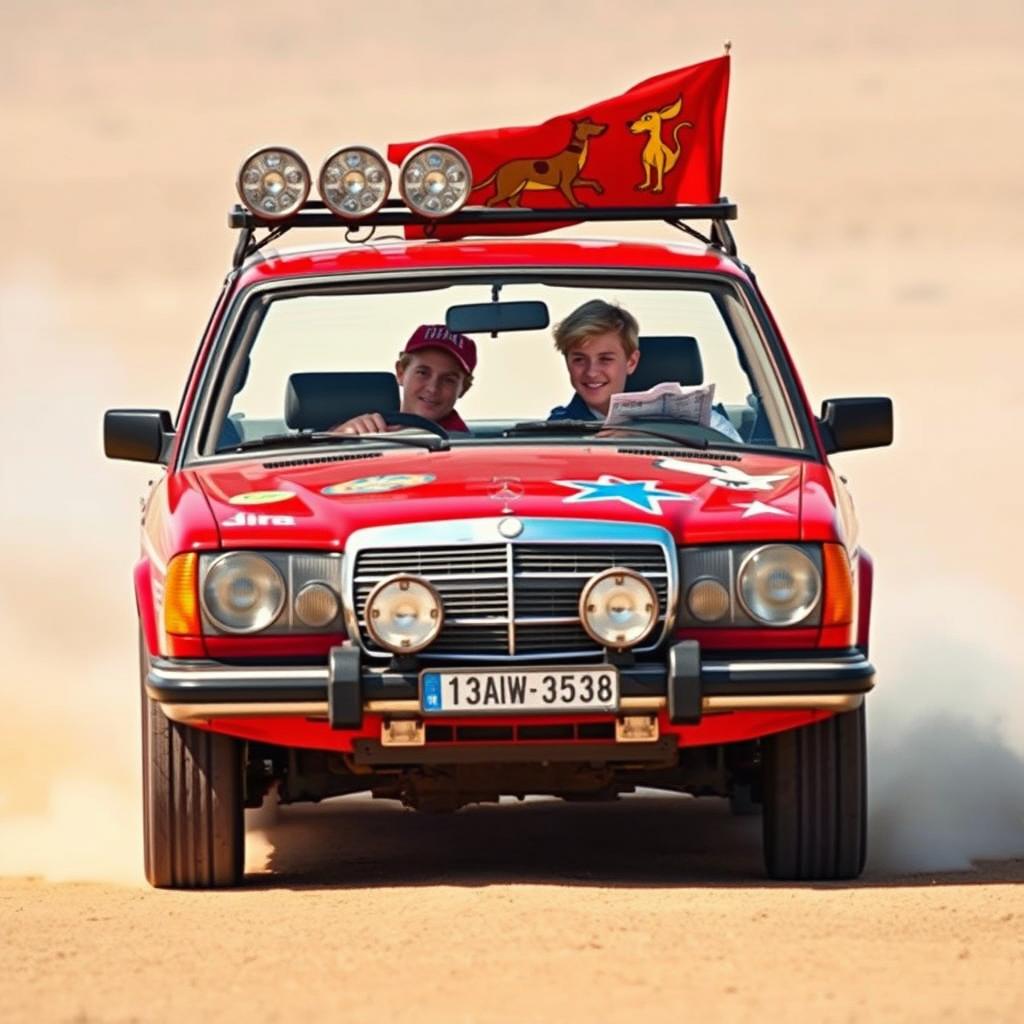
x=851 y=423
x=142 y=435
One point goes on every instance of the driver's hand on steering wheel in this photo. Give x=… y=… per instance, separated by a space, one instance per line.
x=368 y=423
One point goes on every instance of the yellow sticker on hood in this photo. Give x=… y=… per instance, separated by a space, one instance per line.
x=379 y=484
x=260 y=497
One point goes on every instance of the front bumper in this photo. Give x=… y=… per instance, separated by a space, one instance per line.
x=687 y=684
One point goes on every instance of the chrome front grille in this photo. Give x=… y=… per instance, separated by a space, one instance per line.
x=516 y=598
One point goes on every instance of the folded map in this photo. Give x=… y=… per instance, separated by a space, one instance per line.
x=666 y=401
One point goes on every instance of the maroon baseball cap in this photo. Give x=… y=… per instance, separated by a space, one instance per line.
x=438 y=336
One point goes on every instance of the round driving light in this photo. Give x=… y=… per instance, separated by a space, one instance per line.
x=618 y=608
x=404 y=614
x=707 y=600
x=316 y=605
x=435 y=181
x=354 y=182
x=274 y=183
x=243 y=593
x=779 y=585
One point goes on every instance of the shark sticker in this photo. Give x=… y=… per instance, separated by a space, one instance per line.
x=645 y=495
x=257 y=519
x=725 y=476
x=379 y=484
x=260 y=497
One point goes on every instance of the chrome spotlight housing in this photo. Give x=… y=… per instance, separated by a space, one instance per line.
x=404 y=614
x=435 y=181
x=274 y=182
x=618 y=608
x=354 y=182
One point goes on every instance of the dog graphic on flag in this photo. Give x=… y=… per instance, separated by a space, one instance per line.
x=563 y=171
x=658 y=156
x=627 y=151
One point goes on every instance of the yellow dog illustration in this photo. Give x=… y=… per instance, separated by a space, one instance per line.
x=561 y=171
x=658 y=157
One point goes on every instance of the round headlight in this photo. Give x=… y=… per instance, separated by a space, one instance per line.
x=316 y=605
x=243 y=593
x=779 y=585
x=354 y=182
x=274 y=183
x=618 y=608
x=404 y=614
x=435 y=181
x=708 y=600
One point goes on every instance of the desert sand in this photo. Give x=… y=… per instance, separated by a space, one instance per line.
x=873 y=151
x=642 y=910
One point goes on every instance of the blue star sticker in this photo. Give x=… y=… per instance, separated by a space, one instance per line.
x=645 y=495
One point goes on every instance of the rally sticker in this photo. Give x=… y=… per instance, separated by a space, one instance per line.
x=645 y=495
x=258 y=519
x=379 y=484
x=260 y=497
x=730 y=477
x=759 y=508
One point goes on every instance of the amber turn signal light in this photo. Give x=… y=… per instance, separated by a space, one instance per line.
x=838 y=610
x=181 y=597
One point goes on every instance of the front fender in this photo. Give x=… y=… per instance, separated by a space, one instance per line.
x=143 y=575
x=865 y=585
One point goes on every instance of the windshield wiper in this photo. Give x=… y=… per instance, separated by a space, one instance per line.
x=593 y=427
x=430 y=442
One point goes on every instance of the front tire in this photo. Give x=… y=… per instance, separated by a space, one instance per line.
x=192 y=798
x=815 y=800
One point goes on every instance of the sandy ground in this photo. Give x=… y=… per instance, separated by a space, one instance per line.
x=647 y=909
x=874 y=154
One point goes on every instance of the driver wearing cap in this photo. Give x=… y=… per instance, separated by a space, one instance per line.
x=434 y=370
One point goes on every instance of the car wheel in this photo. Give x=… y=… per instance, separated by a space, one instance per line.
x=815 y=800
x=192 y=798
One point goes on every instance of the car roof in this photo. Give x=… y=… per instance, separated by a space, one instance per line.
x=490 y=253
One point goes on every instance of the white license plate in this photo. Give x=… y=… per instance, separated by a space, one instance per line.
x=497 y=690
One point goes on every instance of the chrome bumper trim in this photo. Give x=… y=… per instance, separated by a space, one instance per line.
x=230 y=674
x=204 y=712
x=187 y=713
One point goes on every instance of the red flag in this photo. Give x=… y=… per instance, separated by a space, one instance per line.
x=658 y=144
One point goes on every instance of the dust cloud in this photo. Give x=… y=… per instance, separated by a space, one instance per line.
x=946 y=732
x=68 y=734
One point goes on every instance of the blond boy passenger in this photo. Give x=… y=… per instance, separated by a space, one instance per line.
x=601 y=345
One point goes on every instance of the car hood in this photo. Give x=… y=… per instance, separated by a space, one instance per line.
x=700 y=497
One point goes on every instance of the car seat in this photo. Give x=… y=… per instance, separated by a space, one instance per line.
x=319 y=401
x=667 y=358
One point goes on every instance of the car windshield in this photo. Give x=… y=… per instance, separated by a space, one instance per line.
x=304 y=360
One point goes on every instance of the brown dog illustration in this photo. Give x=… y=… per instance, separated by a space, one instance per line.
x=657 y=156
x=561 y=171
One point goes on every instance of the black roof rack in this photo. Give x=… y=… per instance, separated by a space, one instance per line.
x=315 y=214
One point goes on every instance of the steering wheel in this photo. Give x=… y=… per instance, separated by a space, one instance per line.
x=410 y=419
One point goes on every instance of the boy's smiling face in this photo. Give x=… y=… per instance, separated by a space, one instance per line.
x=431 y=383
x=598 y=368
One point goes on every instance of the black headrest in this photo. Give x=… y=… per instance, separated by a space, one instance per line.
x=319 y=401
x=664 y=359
